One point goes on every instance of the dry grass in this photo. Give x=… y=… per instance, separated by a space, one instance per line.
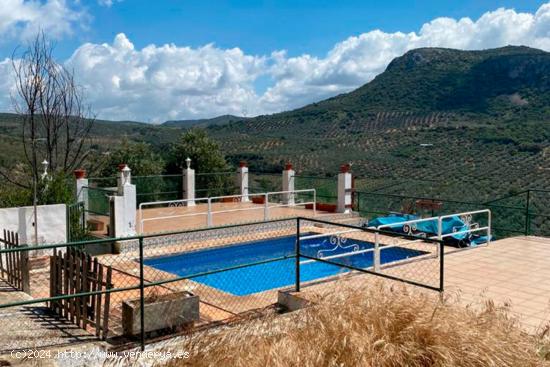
x=379 y=326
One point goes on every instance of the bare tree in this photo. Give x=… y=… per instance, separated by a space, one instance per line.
x=55 y=123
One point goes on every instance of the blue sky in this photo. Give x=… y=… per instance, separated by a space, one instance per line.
x=265 y=56
x=258 y=27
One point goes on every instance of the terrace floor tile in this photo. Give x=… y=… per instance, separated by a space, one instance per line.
x=514 y=270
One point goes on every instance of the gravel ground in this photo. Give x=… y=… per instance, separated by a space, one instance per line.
x=32 y=327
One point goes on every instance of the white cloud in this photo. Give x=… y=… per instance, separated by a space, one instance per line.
x=6 y=84
x=166 y=82
x=172 y=82
x=108 y=3
x=22 y=19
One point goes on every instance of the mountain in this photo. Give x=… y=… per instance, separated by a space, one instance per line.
x=435 y=118
x=438 y=79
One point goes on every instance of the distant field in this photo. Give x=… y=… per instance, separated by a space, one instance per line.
x=464 y=158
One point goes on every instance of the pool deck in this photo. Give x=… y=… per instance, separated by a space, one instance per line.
x=179 y=218
x=512 y=272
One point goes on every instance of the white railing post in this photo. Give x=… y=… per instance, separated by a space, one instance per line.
x=140 y=219
x=209 y=215
x=376 y=252
x=488 y=226
x=314 y=202
x=266 y=206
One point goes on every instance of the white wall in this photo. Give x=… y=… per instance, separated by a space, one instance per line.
x=125 y=212
x=52 y=223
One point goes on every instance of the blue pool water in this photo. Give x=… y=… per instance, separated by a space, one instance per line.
x=275 y=274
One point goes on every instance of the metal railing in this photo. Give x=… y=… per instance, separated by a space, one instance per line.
x=472 y=227
x=428 y=245
x=158 y=187
x=141 y=279
x=266 y=206
x=523 y=213
x=215 y=183
x=327 y=187
x=98 y=199
x=76 y=221
x=376 y=250
x=170 y=203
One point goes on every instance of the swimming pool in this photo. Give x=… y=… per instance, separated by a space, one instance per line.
x=256 y=278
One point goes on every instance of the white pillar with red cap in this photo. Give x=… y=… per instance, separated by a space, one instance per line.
x=242 y=180
x=82 y=190
x=288 y=184
x=125 y=205
x=344 y=189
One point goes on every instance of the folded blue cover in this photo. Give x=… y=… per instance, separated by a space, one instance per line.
x=392 y=218
x=449 y=225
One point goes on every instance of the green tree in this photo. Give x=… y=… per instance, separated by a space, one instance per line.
x=205 y=153
x=213 y=176
x=12 y=195
x=140 y=157
x=147 y=168
x=56 y=188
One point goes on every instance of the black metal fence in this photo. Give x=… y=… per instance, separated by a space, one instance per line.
x=170 y=283
x=77 y=228
x=216 y=184
x=158 y=188
x=264 y=182
x=98 y=199
x=326 y=187
x=161 y=188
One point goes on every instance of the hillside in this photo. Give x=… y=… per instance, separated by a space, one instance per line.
x=436 y=79
x=487 y=114
x=460 y=124
x=104 y=136
x=220 y=120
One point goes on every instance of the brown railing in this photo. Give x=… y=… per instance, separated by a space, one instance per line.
x=14 y=266
x=75 y=272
